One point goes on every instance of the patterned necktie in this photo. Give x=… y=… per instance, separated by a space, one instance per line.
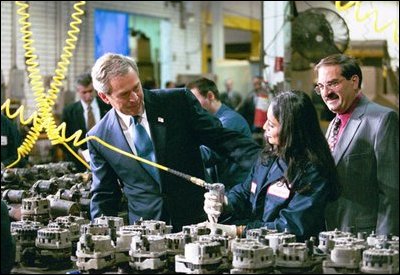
x=333 y=136
x=90 y=118
x=144 y=147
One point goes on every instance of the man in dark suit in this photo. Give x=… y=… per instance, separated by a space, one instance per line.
x=83 y=114
x=365 y=146
x=177 y=126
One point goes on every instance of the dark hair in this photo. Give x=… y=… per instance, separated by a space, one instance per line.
x=348 y=65
x=204 y=85
x=301 y=140
x=84 y=79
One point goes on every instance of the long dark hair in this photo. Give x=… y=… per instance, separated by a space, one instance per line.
x=301 y=140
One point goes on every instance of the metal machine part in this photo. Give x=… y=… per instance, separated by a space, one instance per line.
x=380 y=261
x=148 y=253
x=36 y=209
x=201 y=257
x=276 y=239
x=24 y=233
x=326 y=239
x=60 y=207
x=344 y=258
x=176 y=245
x=226 y=252
x=54 y=247
x=252 y=258
x=94 y=229
x=95 y=253
x=195 y=230
x=105 y=220
x=156 y=227
x=14 y=196
x=297 y=258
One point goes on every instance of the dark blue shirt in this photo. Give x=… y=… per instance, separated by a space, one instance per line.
x=264 y=200
x=221 y=169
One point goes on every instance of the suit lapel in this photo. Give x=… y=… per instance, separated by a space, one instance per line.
x=117 y=137
x=81 y=118
x=157 y=125
x=350 y=130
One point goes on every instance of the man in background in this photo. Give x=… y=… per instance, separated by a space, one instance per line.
x=220 y=169
x=83 y=114
x=170 y=84
x=230 y=97
x=254 y=107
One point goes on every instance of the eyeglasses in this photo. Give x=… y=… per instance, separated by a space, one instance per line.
x=330 y=85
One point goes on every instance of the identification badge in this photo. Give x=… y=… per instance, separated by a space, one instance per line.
x=279 y=189
x=4 y=141
x=253 y=187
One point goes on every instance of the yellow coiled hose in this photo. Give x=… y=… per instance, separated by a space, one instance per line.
x=372 y=13
x=42 y=119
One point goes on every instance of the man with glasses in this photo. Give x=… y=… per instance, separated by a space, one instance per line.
x=364 y=139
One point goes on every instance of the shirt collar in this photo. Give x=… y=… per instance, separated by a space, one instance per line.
x=93 y=104
x=350 y=110
x=127 y=119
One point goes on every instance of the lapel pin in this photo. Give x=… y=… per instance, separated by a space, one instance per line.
x=160 y=119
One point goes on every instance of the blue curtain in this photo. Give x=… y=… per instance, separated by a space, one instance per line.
x=111 y=33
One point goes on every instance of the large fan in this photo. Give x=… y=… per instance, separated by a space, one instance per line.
x=317 y=33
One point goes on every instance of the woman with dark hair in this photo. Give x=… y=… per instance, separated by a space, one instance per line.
x=293 y=180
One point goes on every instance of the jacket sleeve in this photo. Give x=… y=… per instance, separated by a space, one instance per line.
x=105 y=190
x=226 y=142
x=239 y=206
x=387 y=156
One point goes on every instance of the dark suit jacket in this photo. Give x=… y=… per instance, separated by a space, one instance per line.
x=367 y=159
x=178 y=125
x=75 y=120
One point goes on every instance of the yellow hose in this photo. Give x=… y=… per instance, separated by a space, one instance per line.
x=372 y=13
x=43 y=119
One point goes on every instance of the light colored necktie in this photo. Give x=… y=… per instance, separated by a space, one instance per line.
x=144 y=147
x=334 y=134
x=90 y=118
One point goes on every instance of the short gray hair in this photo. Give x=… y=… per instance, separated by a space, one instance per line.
x=109 y=66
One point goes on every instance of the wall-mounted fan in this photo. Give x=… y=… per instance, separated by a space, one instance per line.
x=317 y=33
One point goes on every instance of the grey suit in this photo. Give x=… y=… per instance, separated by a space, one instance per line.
x=367 y=159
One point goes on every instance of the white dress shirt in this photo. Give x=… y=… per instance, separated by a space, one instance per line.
x=127 y=126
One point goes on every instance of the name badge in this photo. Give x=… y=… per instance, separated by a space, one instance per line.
x=4 y=141
x=253 y=187
x=279 y=189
